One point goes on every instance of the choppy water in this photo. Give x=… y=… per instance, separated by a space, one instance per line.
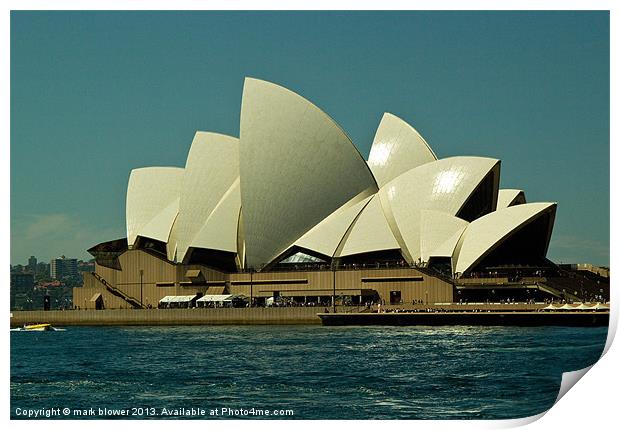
x=317 y=372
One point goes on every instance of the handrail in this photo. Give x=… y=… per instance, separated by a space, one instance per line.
x=432 y=272
x=118 y=292
x=557 y=292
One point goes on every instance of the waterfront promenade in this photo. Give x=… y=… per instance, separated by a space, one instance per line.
x=194 y=316
x=222 y=316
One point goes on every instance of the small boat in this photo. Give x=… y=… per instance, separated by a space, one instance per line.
x=37 y=327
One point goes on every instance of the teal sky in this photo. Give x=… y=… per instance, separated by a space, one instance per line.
x=95 y=94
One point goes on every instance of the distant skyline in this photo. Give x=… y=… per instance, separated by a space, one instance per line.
x=96 y=94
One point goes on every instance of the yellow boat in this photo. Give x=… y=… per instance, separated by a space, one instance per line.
x=37 y=327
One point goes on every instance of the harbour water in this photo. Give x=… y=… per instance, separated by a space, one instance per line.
x=458 y=372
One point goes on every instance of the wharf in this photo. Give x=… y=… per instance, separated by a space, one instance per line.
x=484 y=318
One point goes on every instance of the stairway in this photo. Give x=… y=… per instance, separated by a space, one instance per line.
x=135 y=303
x=560 y=289
x=434 y=273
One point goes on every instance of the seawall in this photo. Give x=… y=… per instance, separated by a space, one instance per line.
x=154 y=317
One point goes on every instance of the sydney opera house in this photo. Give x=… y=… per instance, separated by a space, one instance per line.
x=291 y=210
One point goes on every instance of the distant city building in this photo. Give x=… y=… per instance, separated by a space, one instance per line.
x=43 y=267
x=62 y=267
x=32 y=264
x=21 y=282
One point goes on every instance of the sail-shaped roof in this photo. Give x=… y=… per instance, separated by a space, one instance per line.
x=220 y=229
x=152 y=201
x=439 y=233
x=370 y=232
x=483 y=235
x=396 y=148
x=444 y=185
x=297 y=167
x=510 y=197
x=325 y=237
x=212 y=167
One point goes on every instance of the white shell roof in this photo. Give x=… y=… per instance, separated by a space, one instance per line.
x=443 y=185
x=396 y=148
x=159 y=226
x=509 y=197
x=212 y=167
x=297 y=167
x=487 y=232
x=370 y=232
x=152 y=200
x=325 y=237
x=439 y=233
x=219 y=231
